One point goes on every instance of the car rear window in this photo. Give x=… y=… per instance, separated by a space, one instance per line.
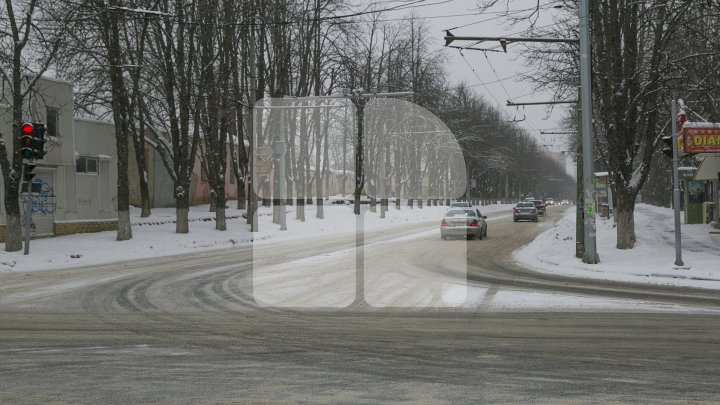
x=525 y=205
x=460 y=213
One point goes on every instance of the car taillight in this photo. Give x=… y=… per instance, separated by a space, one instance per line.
x=534 y=211
x=515 y=210
x=474 y=222
x=443 y=223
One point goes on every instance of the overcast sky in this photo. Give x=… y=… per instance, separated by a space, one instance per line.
x=484 y=70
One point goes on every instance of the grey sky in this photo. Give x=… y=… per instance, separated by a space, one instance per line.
x=492 y=66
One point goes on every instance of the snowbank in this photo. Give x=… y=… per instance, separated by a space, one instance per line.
x=651 y=261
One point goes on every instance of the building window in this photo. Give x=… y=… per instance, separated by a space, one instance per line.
x=86 y=165
x=53 y=118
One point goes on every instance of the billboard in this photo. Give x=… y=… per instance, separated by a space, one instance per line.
x=699 y=137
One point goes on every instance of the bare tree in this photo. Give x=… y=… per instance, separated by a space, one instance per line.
x=174 y=112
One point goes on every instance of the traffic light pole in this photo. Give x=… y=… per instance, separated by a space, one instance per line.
x=28 y=210
x=676 y=186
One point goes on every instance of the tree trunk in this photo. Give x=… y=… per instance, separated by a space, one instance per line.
x=123 y=131
x=144 y=198
x=138 y=138
x=13 y=233
x=220 y=222
x=182 y=223
x=182 y=208
x=124 y=230
x=241 y=195
x=625 y=214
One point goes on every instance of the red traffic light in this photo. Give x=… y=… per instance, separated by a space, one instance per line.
x=27 y=128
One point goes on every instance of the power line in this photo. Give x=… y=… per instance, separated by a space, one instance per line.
x=483 y=84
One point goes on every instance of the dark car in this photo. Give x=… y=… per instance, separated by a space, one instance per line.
x=540 y=205
x=463 y=222
x=525 y=211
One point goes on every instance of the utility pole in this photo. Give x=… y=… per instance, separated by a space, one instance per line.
x=590 y=256
x=676 y=186
x=279 y=149
x=252 y=208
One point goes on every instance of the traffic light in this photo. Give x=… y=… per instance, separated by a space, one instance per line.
x=668 y=146
x=27 y=140
x=39 y=137
x=27 y=172
x=32 y=140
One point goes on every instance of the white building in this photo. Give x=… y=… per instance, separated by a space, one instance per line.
x=75 y=189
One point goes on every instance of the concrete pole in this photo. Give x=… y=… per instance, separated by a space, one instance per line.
x=590 y=256
x=579 y=206
x=252 y=205
x=280 y=148
x=676 y=187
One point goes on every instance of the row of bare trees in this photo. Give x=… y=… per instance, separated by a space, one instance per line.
x=183 y=77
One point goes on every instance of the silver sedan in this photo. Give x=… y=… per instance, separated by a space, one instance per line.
x=463 y=222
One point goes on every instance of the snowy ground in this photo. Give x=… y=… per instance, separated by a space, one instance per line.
x=651 y=261
x=155 y=236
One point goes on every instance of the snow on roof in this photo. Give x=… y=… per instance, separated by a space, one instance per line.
x=701 y=125
x=687 y=168
x=93 y=120
x=600 y=174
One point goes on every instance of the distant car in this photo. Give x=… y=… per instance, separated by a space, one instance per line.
x=466 y=222
x=464 y=204
x=540 y=206
x=564 y=202
x=525 y=211
x=339 y=201
x=549 y=202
